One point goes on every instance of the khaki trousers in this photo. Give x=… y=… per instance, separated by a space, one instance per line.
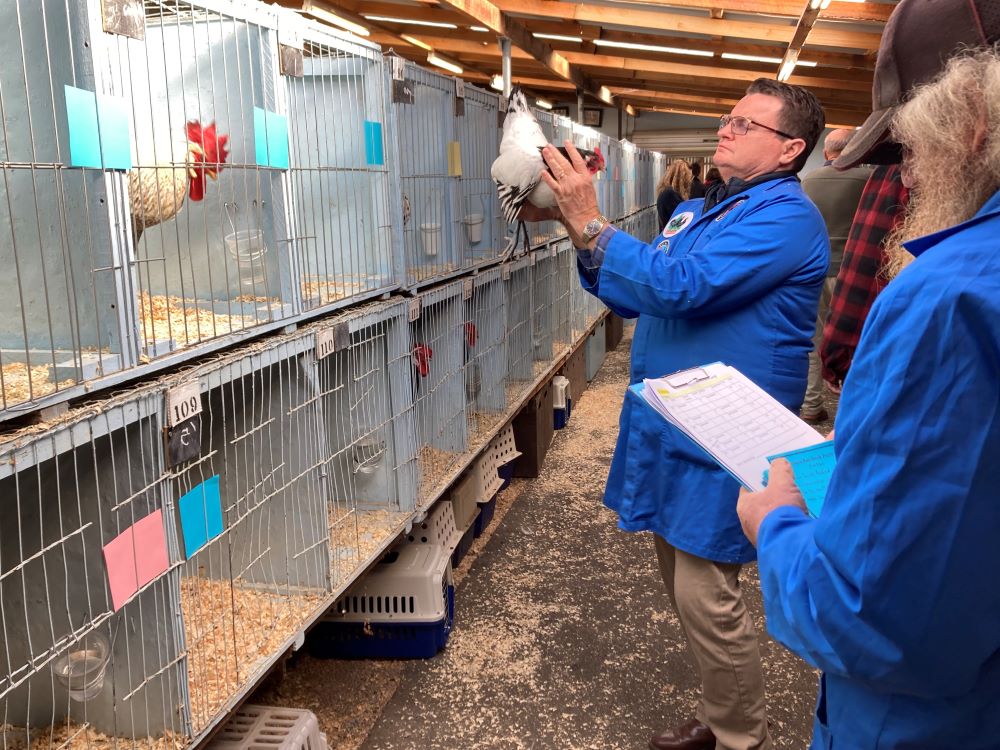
x=723 y=641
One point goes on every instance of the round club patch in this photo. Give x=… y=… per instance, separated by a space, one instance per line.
x=677 y=223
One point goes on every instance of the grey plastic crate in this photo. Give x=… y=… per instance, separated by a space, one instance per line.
x=270 y=728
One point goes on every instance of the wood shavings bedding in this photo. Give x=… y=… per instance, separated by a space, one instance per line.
x=164 y=318
x=74 y=736
x=229 y=631
x=356 y=535
x=20 y=384
x=435 y=466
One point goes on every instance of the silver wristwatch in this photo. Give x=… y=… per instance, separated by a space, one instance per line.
x=594 y=227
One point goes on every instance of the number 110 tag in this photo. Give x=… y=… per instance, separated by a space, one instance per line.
x=183 y=402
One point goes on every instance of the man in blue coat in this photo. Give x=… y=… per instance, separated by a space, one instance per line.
x=890 y=591
x=735 y=277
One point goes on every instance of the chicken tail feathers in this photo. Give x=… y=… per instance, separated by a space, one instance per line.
x=512 y=198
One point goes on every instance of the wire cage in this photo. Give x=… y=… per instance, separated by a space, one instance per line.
x=364 y=381
x=92 y=643
x=613 y=191
x=342 y=203
x=628 y=178
x=563 y=279
x=485 y=353
x=429 y=165
x=543 y=315
x=482 y=236
x=61 y=293
x=437 y=340
x=204 y=212
x=516 y=278
x=253 y=516
x=543 y=231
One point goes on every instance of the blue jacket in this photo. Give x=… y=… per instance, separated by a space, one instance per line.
x=893 y=590
x=739 y=284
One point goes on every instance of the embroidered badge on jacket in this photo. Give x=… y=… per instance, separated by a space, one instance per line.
x=678 y=223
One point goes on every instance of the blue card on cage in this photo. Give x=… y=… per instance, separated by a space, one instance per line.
x=813 y=467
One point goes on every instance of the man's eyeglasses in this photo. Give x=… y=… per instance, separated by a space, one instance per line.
x=742 y=124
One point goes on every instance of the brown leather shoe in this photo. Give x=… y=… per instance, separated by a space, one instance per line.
x=690 y=736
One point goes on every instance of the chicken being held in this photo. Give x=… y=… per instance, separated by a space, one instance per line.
x=157 y=193
x=517 y=169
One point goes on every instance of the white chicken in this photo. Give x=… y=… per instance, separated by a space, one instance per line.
x=517 y=169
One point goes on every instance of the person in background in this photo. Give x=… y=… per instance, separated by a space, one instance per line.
x=734 y=277
x=836 y=194
x=674 y=188
x=885 y=590
x=711 y=177
x=860 y=279
x=697 y=188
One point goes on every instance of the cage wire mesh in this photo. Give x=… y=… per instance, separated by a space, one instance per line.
x=485 y=354
x=84 y=661
x=628 y=178
x=204 y=212
x=543 y=273
x=613 y=191
x=479 y=142
x=564 y=278
x=61 y=293
x=543 y=231
x=342 y=208
x=427 y=151
x=253 y=518
x=364 y=384
x=517 y=287
x=437 y=338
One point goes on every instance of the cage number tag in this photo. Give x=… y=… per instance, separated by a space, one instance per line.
x=459 y=88
x=397 y=68
x=413 y=310
x=505 y=273
x=554 y=251
x=503 y=103
x=467 y=285
x=533 y=259
x=183 y=402
x=184 y=441
x=333 y=339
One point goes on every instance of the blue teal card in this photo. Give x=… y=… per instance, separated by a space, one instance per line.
x=373 y=143
x=116 y=139
x=277 y=140
x=260 y=136
x=813 y=467
x=84 y=137
x=270 y=138
x=201 y=515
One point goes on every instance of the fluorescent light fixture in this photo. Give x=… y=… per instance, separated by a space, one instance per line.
x=322 y=14
x=819 y=4
x=416 y=42
x=496 y=82
x=452 y=67
x=758 y=58
x=653 y=48
x=412 y=22
x=558 y=37
x=543 y=103
x=785 y=72
x=482 y=29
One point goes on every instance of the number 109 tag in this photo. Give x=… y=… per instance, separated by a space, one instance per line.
x=183 y=402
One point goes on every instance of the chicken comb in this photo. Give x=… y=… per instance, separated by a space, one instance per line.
x=212 y=144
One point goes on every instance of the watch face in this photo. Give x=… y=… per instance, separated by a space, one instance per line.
x=593 y=227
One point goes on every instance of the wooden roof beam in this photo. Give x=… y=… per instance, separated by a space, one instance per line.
x=841 y=11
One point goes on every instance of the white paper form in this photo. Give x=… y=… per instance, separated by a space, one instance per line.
x=730 y=417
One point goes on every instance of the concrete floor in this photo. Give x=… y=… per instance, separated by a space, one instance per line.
x=563 y=636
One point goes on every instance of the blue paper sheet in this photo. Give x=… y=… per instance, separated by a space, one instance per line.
x=84 y=137
x=813 y=467
x=116 y=138
x=201 y=515
x=270 y=138
x=374 y=155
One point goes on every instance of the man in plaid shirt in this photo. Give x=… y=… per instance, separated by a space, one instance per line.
x=860 y=279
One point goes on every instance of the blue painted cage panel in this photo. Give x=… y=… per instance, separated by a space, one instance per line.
x=205 y=205
x=253 y=517
x=429 y=175
x=437 y=338
x=342 y=223
x=367 y=417
x=92 y=645
x=61 y=291
x=481 y=237
x=485 y=354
